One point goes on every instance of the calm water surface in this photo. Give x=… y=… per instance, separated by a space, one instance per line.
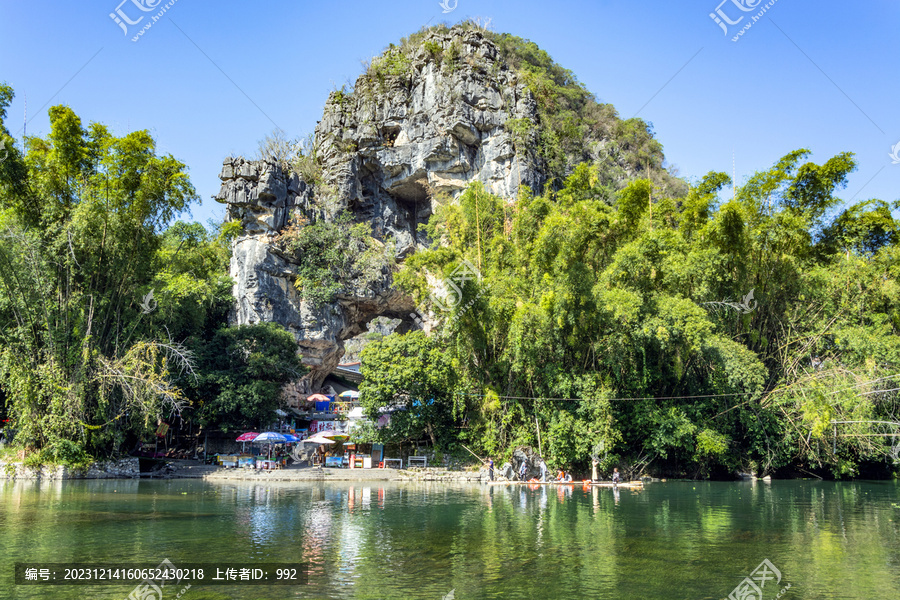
x=365 y=541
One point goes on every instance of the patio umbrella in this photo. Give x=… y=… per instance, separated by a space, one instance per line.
x=333 y=435
x=317 y=440
x=352 y=394
x=246 y=437
x=269 y=437
x=290 y=438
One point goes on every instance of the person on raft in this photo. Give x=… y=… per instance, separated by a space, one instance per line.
x=563 y=477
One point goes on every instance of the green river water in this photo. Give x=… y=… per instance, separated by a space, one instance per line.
x=435 y=541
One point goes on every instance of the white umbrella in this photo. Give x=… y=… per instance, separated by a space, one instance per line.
x=317 y=440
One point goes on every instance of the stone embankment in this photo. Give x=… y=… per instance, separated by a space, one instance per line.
x=126 y=468
x=129 y=468
x=439 y=474
x=316 y=474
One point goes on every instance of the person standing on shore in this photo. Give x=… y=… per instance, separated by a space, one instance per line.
x=615 y=477
x=491 y=468
x=523 y=469
x=595 y=463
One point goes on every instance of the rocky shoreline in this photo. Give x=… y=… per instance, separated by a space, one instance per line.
x=125 y=468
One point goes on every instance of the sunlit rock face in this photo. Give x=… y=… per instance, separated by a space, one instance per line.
x=393 y=146
x=419 y=126
x=388 y=152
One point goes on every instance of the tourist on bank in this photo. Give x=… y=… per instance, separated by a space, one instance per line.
x=615 y=477
x=595 y=464
x=543 y=471
x=523 y=469
x=491 y=468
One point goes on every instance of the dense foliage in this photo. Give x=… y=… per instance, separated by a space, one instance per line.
x=107 y=306
x=413 y=379
x=244 y=370
x=626 y=328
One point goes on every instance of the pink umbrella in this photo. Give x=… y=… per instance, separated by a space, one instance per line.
x=246 y=437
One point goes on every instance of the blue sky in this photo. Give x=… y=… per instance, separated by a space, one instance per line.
x=210 y=79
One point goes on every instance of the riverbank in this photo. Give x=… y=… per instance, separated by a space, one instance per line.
x=129 y=468
x=330 y=474
x=125 y=468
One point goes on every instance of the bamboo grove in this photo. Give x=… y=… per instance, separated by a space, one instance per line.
x=726 y=330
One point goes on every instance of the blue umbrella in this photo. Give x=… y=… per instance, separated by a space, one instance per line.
x=270 y=437
x=289 y=438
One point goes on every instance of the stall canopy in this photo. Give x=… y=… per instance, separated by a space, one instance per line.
x=246 y=437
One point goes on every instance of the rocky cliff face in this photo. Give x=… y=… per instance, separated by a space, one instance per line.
x=424 y=121
x=398 y=142
x=263 y=198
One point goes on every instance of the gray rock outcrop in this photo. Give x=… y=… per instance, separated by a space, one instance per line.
x=387 y=152
x=425 y=121
x=395 y=145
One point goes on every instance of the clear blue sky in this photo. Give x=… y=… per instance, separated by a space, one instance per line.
x=210 y=79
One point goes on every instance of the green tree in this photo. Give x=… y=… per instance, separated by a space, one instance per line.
x=244 y=370
x=82 y=363
x=413 y=376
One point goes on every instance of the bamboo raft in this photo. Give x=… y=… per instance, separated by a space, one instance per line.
x=625 y=484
